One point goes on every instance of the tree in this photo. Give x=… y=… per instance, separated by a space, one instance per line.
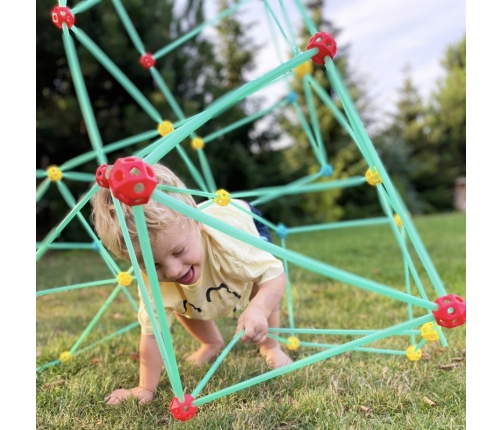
x=445 y=126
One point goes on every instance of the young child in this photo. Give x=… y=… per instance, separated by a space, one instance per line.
x=203 y=274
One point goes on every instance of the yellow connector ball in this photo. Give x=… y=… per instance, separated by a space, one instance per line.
x=429 y=332
x=413 y=354
x=373 y=178
x=165 y=128
x=304 y=69
x=197 y=143
x=54 y=173
x=65 y=356
x=222 y=198
x=293 y=343
x=398 y=220
x=124 y=278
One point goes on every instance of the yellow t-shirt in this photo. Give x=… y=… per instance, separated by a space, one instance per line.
x=230 y=269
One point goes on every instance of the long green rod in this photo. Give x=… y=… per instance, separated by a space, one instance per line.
x=386 y=206
x=290 y=27
x=274 y=38
x=339 y=224
x=110 y=336
x=216 y=364
x=197 y=30
x=206 y=170
x=306 y=128
x=266 y=190
x=67 y=196
x=243 y=121
x=254 y=216
x=279 y=26
x=314 y=120
x=55 y=232
x=197 y=177
x=82 y=96
x=164 y=336
x=117 y=74
x=186 y=191
x=289 y=293
x=131 y=31
x=96 y=318
x=175 y=382
x=296 y=258
x=319 y=186
x=333 y=345
x=339 y=117
x=65 y=245
x=307 y=20
x=76 y=287
x=337 y=332
x=84 y=5
x=83 y=158
x=400 y=240
x=42 y=188
x=41 y=174
x=395 y=200
x=130 y=298
x=157 y=77
x=408 y=285
x=80 y=176
x=323 y=355
x=278 y=193
x=370 y=350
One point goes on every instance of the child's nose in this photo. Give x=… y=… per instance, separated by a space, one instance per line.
x=173 y=270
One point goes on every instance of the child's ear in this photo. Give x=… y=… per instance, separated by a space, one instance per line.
x=200 y=226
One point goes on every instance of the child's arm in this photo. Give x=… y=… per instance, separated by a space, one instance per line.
x=255 y=318
x=150 y=369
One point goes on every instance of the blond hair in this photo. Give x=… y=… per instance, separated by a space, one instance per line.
x=158 y=217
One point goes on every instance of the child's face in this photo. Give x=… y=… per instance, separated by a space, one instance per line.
x=179 y=255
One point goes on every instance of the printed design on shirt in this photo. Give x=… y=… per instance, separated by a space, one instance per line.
x=208 y=292
x=193 y=307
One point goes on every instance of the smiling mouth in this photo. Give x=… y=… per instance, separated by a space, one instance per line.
x=188 y=277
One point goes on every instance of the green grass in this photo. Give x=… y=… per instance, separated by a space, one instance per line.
x=354 y=390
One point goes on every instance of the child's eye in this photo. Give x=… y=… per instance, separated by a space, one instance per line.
x=178 y=252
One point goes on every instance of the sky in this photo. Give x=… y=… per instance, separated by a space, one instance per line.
x=383 y=35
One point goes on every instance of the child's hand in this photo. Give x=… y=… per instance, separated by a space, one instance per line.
x=117 y=396
x=255 y=324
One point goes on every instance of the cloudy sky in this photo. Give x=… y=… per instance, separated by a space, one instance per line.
x=383 y=35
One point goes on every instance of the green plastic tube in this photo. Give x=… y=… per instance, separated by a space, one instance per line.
x=323 y=355
x=82 y=96
x=75 y=287
x=296 y=258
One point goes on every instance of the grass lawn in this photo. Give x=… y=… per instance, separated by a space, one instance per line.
x=353 y=390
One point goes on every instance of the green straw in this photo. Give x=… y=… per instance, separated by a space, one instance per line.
x=124 y=17
x=82 y=96
x=296 y=258
x=313 y=358
x=76 y=287
x=84 y=5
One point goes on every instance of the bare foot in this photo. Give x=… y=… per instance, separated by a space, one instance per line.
x=117 y=396
x=204 y=354
x=275 y=357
